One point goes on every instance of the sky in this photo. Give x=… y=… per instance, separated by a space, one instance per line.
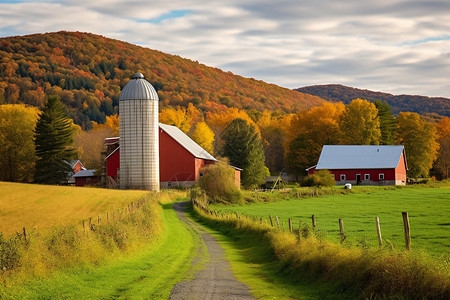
x=394 y=46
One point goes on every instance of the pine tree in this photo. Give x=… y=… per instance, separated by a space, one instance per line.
x=388 y=127
x=244 y=149
x=53 y=141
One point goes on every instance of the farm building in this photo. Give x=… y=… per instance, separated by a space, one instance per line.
x=85 y=177
x=76 y=166
x=364 y=165
x=180 y=159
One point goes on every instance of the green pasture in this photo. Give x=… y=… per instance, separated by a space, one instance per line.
x=428 y=209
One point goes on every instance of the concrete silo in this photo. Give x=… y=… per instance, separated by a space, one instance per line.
x=139 y=139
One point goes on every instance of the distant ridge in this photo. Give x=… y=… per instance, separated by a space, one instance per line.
x=419 y=104
x=88 y=71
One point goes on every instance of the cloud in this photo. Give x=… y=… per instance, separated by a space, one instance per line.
x=394 y=46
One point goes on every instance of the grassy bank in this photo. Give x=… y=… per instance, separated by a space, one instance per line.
x=41 y=251
x=428 y=210
x=355 y=271
x=146 y=274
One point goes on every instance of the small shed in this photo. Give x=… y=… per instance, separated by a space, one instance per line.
x=85 y=177
x=364 y=165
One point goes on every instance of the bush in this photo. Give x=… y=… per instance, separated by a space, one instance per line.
x=319 y=178
x=9 y=253
x=218 y=182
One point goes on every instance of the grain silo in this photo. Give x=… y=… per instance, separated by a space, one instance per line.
x=139 y=142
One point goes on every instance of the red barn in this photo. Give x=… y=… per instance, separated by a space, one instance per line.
x=85 y=177
x=180 y=159
x=364 y=165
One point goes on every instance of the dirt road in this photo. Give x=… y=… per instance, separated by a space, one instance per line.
x=215 y=280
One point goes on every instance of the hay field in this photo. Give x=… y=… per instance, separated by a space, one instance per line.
x=39 y=207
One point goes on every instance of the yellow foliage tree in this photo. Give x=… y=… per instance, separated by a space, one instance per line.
x=360 y=124
x=443 y=159
x=113 y=123
x=204 y=136
x=89 y=145
x=419 y=138
x=17 y=150
x=181 y=117
x=219 y=121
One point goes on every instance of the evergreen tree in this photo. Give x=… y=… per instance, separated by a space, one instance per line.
x=53 y=141
x=244 y=149
x=388 y=127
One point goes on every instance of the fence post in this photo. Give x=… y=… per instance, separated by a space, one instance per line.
x=271 y=221
x=341 y=230
x=313 y=217
x=99 y=219
x=290 y=225
x=107 y=216
x=25 y=234
x=84 y=227
x=299 y=230
x=377 y=222
x=90 y=223
x=407 y=230
x=278 y=222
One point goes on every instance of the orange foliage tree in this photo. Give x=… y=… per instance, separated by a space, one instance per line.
x=442 y=163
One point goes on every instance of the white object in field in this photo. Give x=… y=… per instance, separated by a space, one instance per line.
x=348 y=186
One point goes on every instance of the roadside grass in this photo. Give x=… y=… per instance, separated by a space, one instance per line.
x=428 y=208
x=254 y=263
x=346 y=271
x=39 y=207
x=146 y=274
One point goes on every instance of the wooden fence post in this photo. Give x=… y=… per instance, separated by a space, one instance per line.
x=380 y=241
x=25 y=234
x=271 y=221
x=299 y=230
x=290 y=225
x=84 y=227
x=107 y=216
x=99 y=219
x=341 y=230
x=90 y=223
x=313 y=217
x=278 y=222
x=407 y=230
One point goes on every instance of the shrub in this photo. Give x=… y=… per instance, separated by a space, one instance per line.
x=218 y=182
x=9 y=253
x=319 y=178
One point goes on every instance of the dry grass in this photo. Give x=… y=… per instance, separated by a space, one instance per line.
x=39 y=207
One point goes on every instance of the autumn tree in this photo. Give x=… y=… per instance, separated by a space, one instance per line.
x=53 y=141
x=17 y=151
x=181 y=117
x=219 y=121
x=419 y=138
x=360 y=124
x=388 y=126
x=308 y=132
x=204 y=136
x=113 y=123
x=89 y=145
x=442 y=163
x=244 y=149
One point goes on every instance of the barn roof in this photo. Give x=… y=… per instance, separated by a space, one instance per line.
x=186 y=142
x=359 y=157
x=85 y=173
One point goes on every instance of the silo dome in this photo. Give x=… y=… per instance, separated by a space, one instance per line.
x=139 y=136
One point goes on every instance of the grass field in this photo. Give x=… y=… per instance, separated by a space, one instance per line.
x=147 y=274
x=39 y=207
x=428 y=208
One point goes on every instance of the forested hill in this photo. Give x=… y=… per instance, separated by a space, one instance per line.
x=419 y=104
x=88 y=71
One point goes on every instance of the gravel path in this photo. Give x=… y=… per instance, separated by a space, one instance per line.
x=215 y=280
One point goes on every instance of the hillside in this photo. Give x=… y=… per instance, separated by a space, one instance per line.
x=419 y=104
x=88 y=72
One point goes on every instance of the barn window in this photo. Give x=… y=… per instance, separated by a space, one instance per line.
x=366 y=176
x=381 y=176
x=88 y=179
x=342 y=177
x=201 y=174
x=169 y=184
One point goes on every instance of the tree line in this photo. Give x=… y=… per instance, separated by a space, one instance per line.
x=260 y=143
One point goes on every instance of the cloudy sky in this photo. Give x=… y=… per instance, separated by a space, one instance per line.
x=396 y=46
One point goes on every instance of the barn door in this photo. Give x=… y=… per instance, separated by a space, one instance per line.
x=358 y=179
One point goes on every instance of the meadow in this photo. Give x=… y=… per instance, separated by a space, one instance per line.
x=39 y=207
x=428 y=209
